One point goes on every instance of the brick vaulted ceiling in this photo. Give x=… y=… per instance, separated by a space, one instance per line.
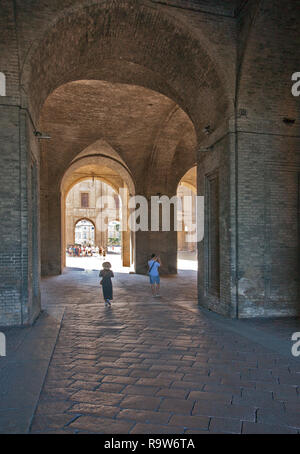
x=153 y=136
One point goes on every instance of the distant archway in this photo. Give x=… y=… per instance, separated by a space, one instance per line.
x=84 y=233
x=93 y=190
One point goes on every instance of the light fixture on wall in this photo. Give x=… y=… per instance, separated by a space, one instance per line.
x=41 y=135
x=289 y=121
x=204 y=149
x=207 y=130
x=242 y=112
x=159 y=194
x=38 y=134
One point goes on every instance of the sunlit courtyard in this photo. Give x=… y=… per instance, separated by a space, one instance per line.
x=186 y=261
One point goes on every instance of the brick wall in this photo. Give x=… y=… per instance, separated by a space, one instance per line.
x=18 y=303
x=215 y=162
x=268 y=166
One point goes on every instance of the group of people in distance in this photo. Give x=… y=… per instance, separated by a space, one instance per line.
x=107 y=274
x=78 y=250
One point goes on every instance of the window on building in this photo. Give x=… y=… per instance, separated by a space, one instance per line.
x=84 y=200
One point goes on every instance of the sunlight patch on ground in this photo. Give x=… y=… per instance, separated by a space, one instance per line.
x=187 y=265
x=186 y=261
x=95 y=263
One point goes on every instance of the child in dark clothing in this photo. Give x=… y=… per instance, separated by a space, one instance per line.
x=106 y=274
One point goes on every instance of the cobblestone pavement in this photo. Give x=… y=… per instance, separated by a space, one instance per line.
x=158 y=366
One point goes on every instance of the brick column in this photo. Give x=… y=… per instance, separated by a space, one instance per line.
x=52 y=252
x=19 y=258
x=126 y=248
x=161 y=243
x=126 y=235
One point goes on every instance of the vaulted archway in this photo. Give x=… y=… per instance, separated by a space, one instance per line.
x=134 y=77
x=101 y=98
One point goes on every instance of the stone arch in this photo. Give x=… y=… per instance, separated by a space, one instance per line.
x=99 y=160
x=183 y=142
x=84 y=219
x=132 y=43
x=99 y=155
x=254 y=69
x=156 y=130
x=157 y=52
x=82 y=179
x=189 y=185
x=103 y=148
x=189 y=179
x=180 y=166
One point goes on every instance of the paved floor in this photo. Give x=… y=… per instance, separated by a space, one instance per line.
x=156 y=365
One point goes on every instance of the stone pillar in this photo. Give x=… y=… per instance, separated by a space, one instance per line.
x=126 y=248
x=19 y=258
x=216 y=252
x=52 y=252
x=268 y=245
x=19 y=266
x=163 y=244
x=13 y=265
x=126 y=234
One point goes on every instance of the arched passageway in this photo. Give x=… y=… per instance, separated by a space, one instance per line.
x=143 y=143
x=83 y=205
x=83 y=234
x=140 y=105
x=96 y=186
x=135 y=94
x=93 y=225
x=119 y=80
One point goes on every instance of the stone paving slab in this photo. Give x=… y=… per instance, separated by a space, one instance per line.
x=154 y=366
x=16 y=421
x=24 y=369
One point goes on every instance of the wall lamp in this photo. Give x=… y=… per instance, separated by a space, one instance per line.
x=207 y=130
x=41 y=135
x=288 y=121
x=159 y=194
x=38 y=134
